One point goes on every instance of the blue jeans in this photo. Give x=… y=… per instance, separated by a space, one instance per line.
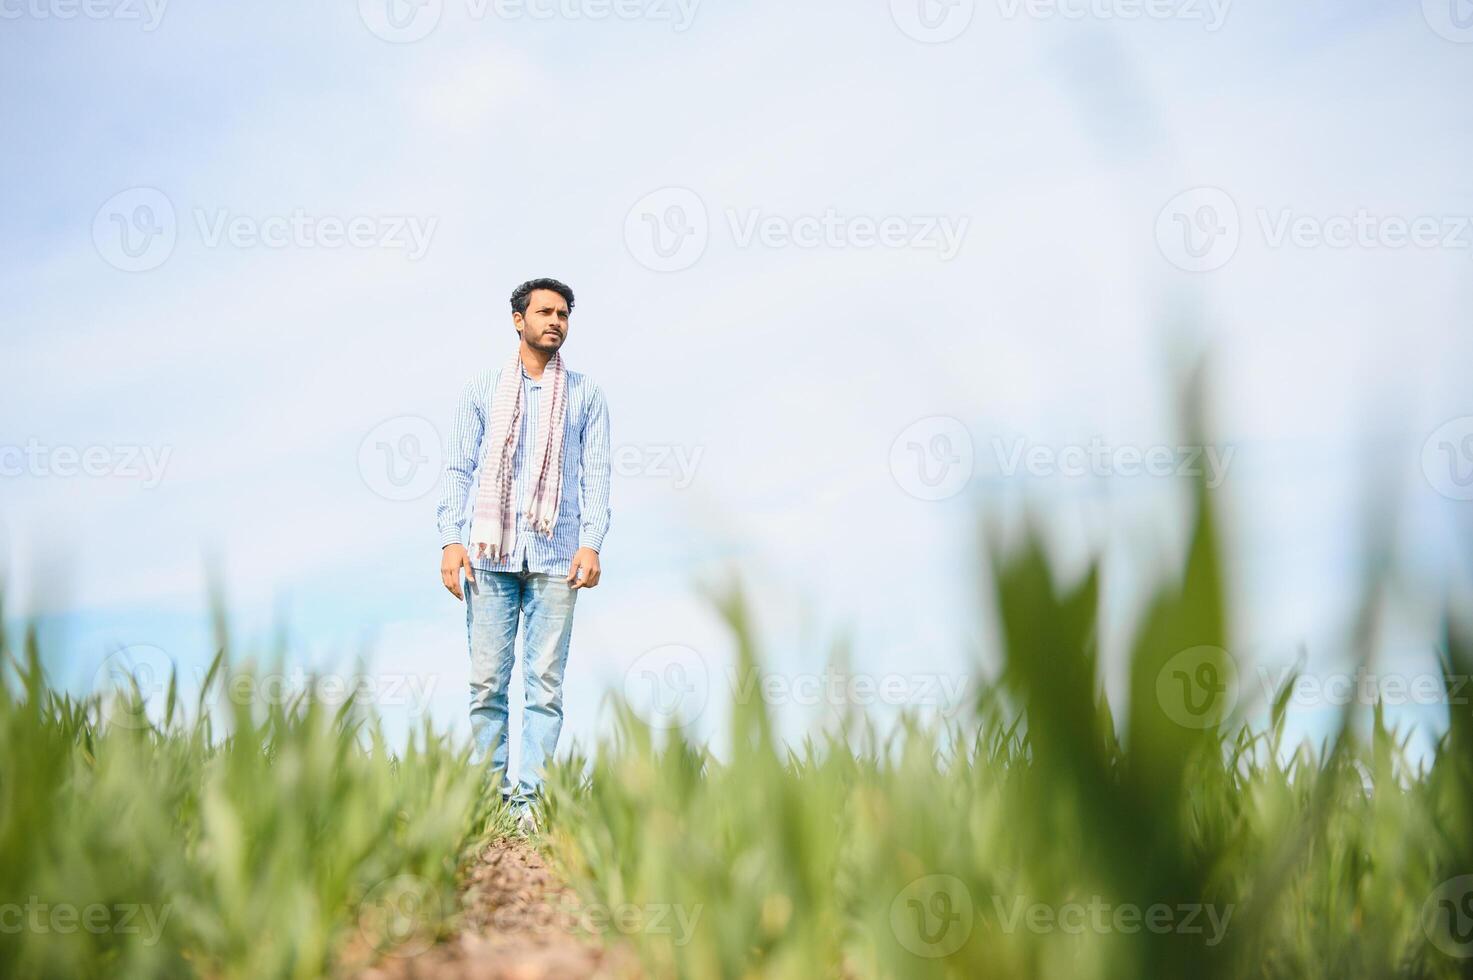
x=493 y=607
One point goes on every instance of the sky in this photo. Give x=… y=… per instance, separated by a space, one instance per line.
x=854 y=277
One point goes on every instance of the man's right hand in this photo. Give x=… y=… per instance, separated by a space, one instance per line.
x=452 y=559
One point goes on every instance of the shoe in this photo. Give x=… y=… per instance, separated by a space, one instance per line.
x=526 y=822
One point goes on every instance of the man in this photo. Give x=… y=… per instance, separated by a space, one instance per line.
x=532 y=438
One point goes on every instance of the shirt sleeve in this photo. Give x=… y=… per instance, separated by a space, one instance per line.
x=594 y=475
x=462 y=450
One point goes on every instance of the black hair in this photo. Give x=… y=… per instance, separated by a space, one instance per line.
x=521 y=296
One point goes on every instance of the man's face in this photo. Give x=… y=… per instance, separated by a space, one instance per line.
x=544 y=326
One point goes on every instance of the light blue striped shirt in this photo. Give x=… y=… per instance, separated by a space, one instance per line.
x=583 y=509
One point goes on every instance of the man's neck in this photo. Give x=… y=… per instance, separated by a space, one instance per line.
x=534 y=361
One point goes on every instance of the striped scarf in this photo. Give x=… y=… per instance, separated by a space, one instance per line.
x=494 y=524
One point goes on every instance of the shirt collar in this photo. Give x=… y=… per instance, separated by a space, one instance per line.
x=536 y=382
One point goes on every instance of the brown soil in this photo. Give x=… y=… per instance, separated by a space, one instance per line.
x=518 y=922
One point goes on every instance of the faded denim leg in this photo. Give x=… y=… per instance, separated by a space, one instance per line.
x=547 y=603
x=492 y=608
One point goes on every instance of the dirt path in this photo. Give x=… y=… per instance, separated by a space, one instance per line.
x=520 y=922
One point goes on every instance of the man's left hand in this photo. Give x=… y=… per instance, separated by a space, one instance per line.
x=585 y=560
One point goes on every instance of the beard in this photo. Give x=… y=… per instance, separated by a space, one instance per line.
x=547 y=343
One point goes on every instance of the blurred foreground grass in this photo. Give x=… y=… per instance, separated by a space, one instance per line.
x=136 y=842
x=1039 y=837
